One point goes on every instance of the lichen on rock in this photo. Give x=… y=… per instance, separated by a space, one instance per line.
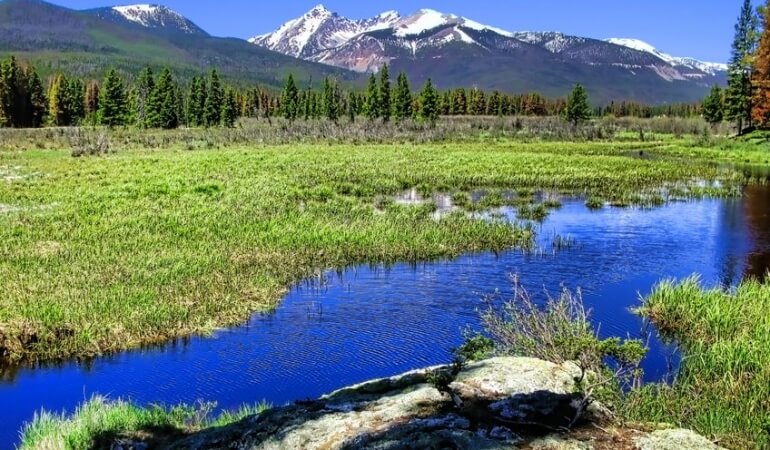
x=507 y=403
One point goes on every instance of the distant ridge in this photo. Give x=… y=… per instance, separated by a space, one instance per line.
x=457 y=51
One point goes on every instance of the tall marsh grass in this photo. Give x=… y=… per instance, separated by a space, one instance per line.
x=449 y=129
x=722 y=388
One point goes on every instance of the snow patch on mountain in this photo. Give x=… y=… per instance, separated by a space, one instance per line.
x=692 y=63
x=423 y=20
x=429 y=19
x=472 y=24
x=136 y=13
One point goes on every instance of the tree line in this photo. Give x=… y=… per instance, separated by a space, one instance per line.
x=150 y=100
x=746 y=99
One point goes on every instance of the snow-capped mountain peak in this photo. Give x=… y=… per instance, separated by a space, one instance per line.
x=319 y=30
x=692 y=63
x=293 y=36
x=154 y=16
x=318 y=11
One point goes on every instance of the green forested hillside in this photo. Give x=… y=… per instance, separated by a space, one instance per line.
x=57 y=39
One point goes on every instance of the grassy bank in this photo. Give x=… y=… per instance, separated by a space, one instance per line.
x=98 y=423
x=100 y=254
x=723 y=387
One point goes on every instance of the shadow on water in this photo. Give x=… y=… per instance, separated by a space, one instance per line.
x=365 y=322
x=757 y=213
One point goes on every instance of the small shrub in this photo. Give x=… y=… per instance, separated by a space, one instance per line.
x=560 y=331
x=443 y=377
x=476 y=347
x=86 y=144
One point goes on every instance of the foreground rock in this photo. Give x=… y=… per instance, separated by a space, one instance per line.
x=502 y=403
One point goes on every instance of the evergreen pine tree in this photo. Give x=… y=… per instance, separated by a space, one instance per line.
x=351 y=107
x=738 y=95
x=131 y=102
x=9 y=73
x=113 y=103
x=429 y=103
x=212 y=110
x=493 y=104
x=36 y=99
x=446 y=103
x=372 y=108
x=143 y=106
x=577 y=109
x=713 y=111
x=383 y=95
x=314 y=109
x=306 y=106
x=194 y=110
x=761 y=76
x=477 y=102
x=229 y=109
x=75 y=101
x=402 y=98
x=460 y=103
x=92 y=100
x=290 y=99
x=204 y=92
x=331 y=100
x=23 y=109
x=163 y=105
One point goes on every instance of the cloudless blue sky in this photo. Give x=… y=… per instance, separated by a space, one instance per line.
x=697 y=28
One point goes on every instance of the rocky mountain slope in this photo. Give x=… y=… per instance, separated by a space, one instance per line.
x=502 y=403
x=456 y=51
x=155 y=17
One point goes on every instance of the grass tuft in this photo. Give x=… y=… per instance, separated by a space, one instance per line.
x=98 y=422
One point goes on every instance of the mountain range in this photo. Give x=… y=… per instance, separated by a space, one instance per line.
x=452 y=50
x=459 y=52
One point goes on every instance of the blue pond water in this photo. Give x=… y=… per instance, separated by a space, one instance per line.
x=378 y=321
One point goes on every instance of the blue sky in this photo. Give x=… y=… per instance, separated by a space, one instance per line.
x=697 y=28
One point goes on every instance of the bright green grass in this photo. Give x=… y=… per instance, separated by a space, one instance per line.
x=723 y=387
x=98 y=422
x=106 y=253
